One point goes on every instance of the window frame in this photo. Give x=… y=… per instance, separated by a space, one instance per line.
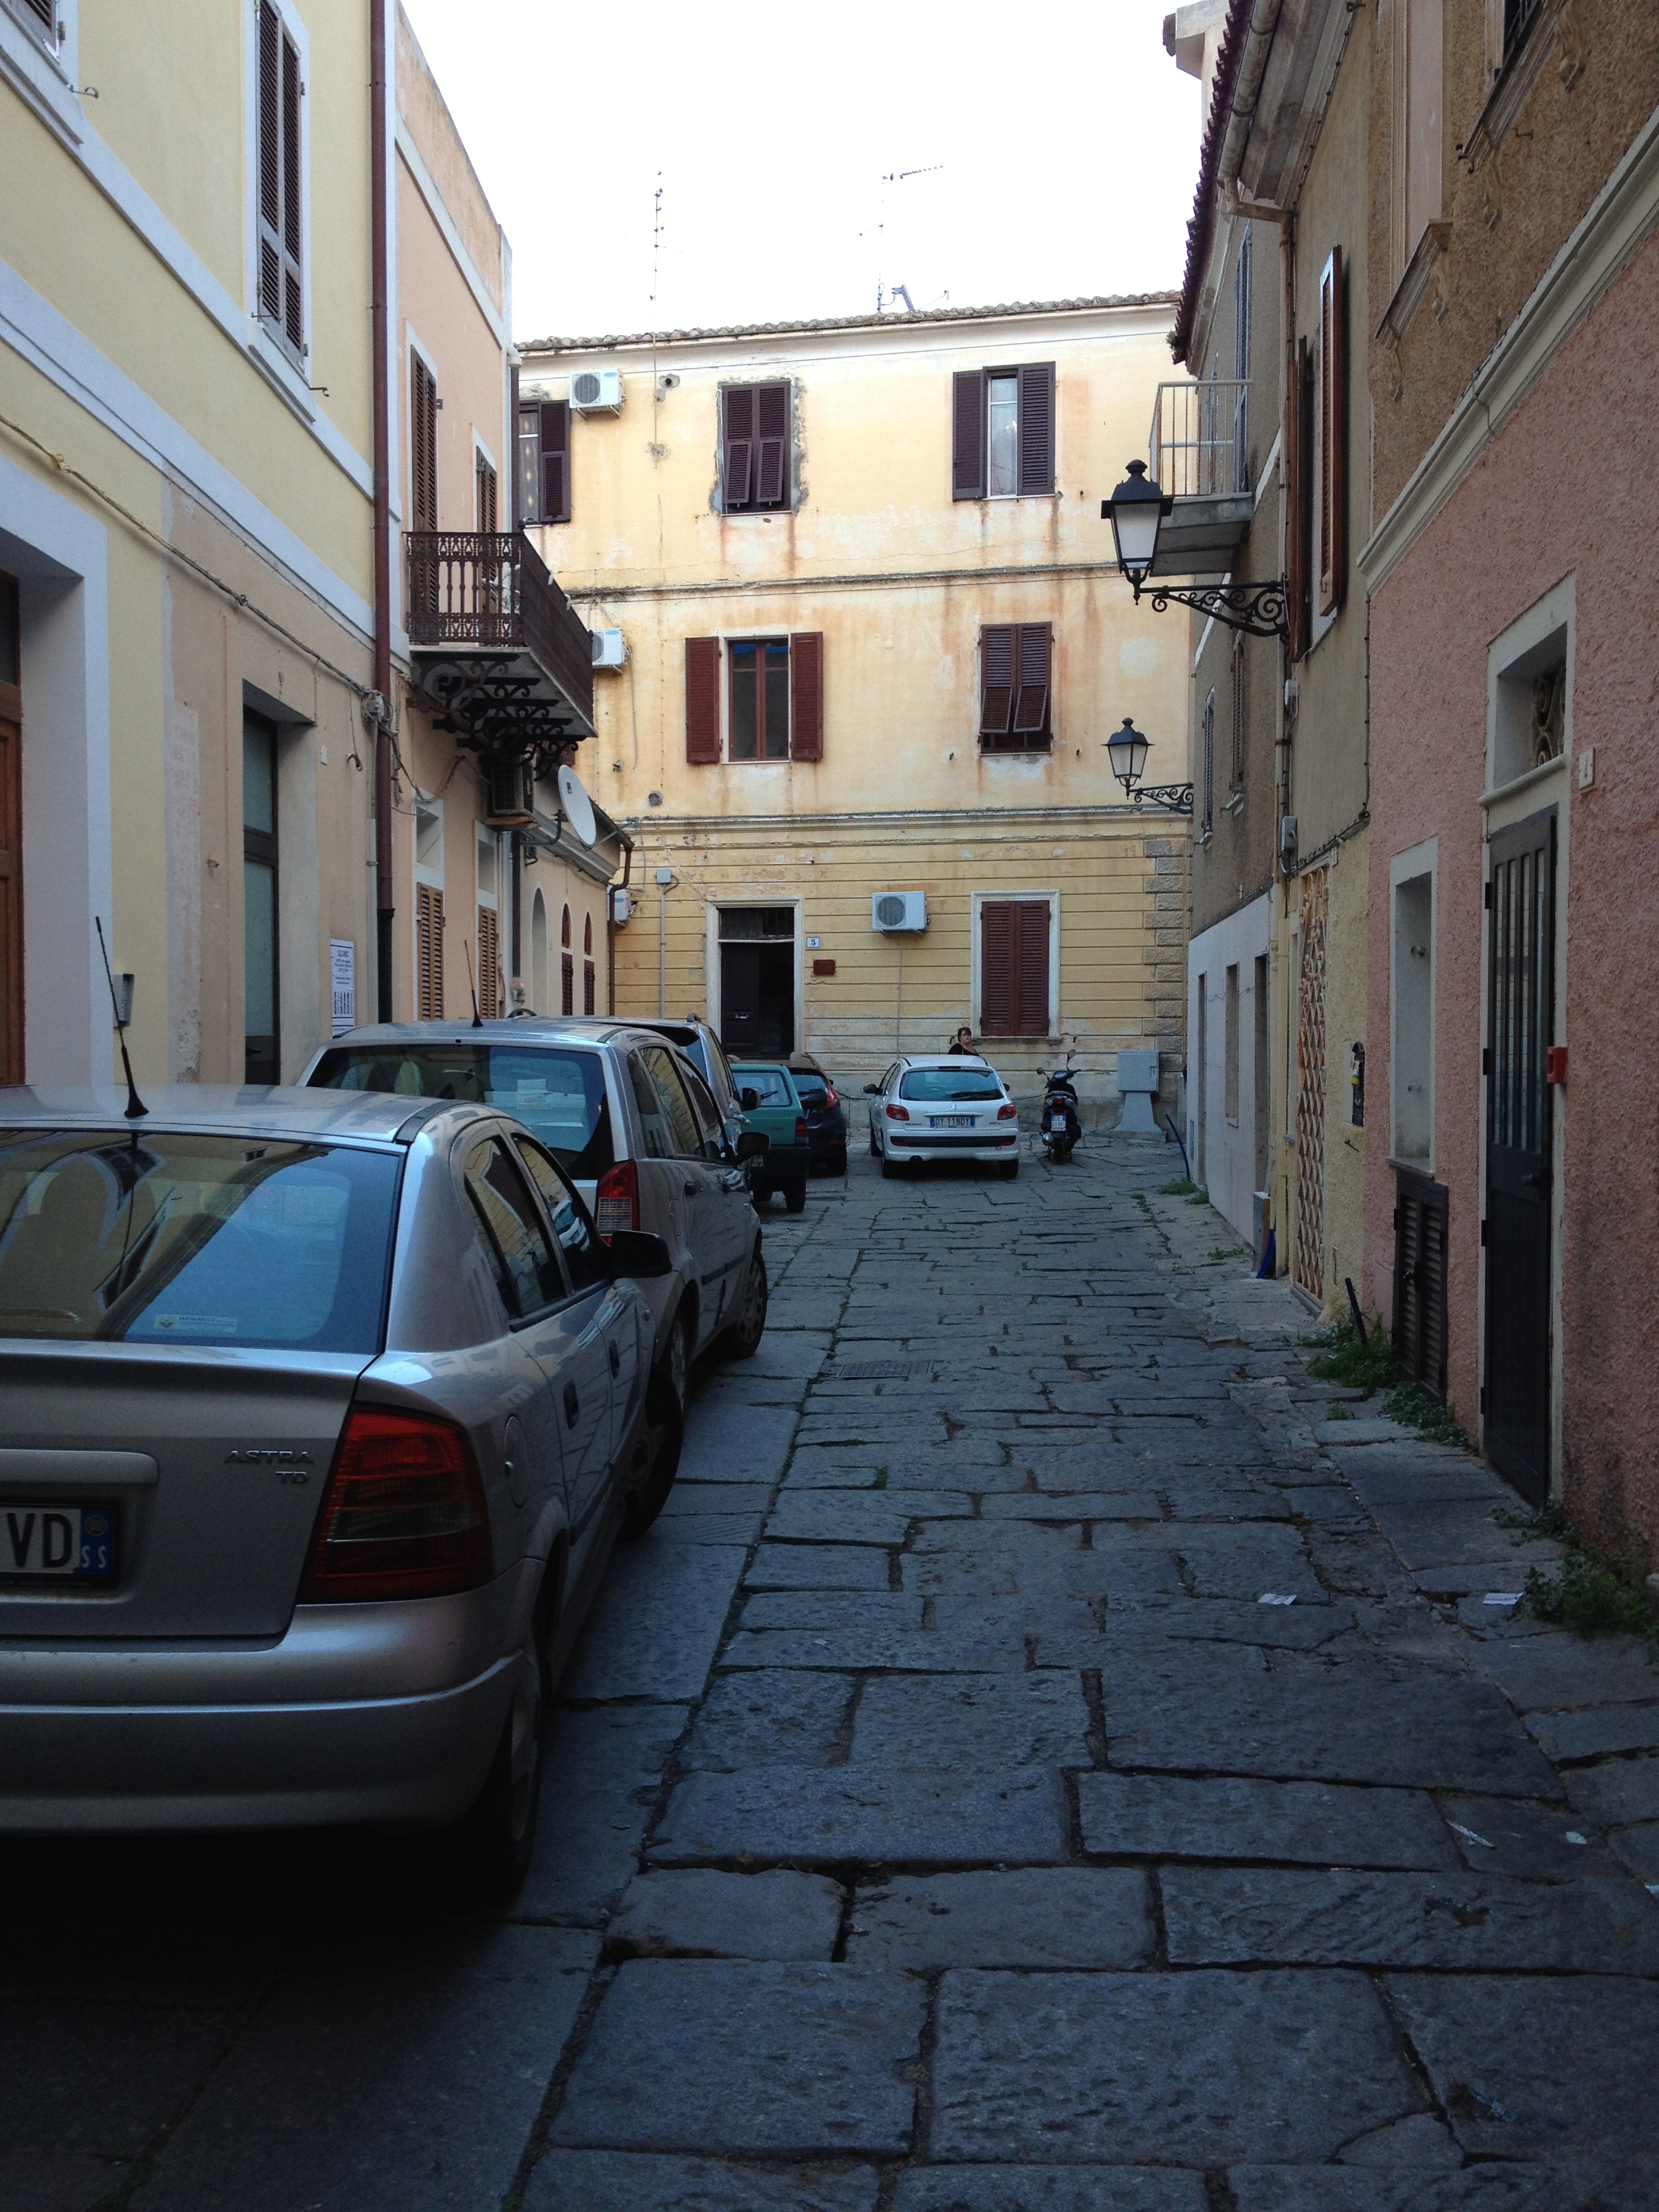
x=1012 y=739
x=270 y=335
x=759 y=646
x=751 y=503
x=422 y=516
x=981 y=468
x=500 y=1140
x=977 y=900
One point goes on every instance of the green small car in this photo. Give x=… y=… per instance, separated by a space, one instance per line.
x=771 y=1104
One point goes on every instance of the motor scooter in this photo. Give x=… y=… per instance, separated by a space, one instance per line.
x=1061 y=1126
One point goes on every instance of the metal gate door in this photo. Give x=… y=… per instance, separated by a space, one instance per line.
x=1308 y=1248
x=1520 y=899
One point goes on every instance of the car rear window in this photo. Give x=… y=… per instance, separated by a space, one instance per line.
x=557 y=1091
x=769 y=1084
x=812 y=1086
x=951 y=1083
x=148 y=1237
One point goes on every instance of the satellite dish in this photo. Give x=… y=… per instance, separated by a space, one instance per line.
x=576 y=806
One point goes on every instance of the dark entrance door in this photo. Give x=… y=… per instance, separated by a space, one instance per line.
x=261 y=1059
x=11 y=840
x=1520 y=922
x=757 y=981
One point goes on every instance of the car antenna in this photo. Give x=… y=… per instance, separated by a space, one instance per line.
x=136 y=1108
x=477 y=1018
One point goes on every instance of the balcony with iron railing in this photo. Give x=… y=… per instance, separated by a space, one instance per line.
x=501 y=651
x=1199 y=452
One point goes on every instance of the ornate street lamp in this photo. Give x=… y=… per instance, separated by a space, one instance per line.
x=1127 y=750
x=1136 y=511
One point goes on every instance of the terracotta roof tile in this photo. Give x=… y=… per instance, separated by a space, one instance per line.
x=613 y=339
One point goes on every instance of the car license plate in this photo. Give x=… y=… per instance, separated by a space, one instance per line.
x=950 y=1121
x=53 y=1543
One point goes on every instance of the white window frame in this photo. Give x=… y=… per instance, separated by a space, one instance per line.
x=272 y=356
x=727 y=639
x=1555 y=613
x=1056 y=1026
x=61 y=55
x=1413 y=866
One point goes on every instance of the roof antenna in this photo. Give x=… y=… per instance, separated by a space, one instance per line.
x=136 y=1108
x=477 y=1018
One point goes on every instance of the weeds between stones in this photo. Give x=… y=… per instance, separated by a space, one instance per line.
x=1182 y=1187
x=1370 y=1366
x=1594 y=1589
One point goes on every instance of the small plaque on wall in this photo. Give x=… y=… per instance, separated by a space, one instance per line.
x=823 y=966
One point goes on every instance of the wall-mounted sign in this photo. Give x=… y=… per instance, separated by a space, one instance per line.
x=813 y=943
x=342 y=986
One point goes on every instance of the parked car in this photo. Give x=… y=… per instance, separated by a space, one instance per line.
x=694 y=1037
x=773 y=1105
x=826 y=1117
x=942 y=1107
x=633 y=1124
x=320 y=1415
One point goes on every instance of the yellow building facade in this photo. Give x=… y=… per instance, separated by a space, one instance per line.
x=863 y=642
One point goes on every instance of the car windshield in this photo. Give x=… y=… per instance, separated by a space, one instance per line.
x=952 y=1082
x=147 y=1236
x=769 y=1084
x=557 y=1091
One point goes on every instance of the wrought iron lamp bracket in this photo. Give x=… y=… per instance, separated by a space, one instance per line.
x=1168 y=797
x=1258 y=610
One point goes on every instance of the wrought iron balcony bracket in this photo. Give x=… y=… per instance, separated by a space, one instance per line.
x=1258 y=610
x=1168 y=797
x=490 y=705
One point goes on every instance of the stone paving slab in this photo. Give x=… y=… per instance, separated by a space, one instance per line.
x=794 y=1718
x=1200 y=2069
x=1506 y=1835
x=697 y=1912
x=1049 y=2189
x=1325 y=1824
x=1596 y=1735
x=910 y=1651
x=1066 y=1917
x=1474 y=1923
x=601 y=1778
x=831 y=1609
x=1243 y=1562
x=737 y=1443
x=638 y=2181
x=811 y=2060
x=1015 y=1719
x=1622 y=1789
x=1537 y=2067
x=1511 y=2187
x=1073 y=1505
x=818 y=1566
x=866 y=1816
x=836 y=1516
x=657 y=1624
x=1563 y=1673
x=144 y=2061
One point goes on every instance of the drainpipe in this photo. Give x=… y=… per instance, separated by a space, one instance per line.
x=627 y=844
x=380 y=324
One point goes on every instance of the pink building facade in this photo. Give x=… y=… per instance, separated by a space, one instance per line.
x=1514 y=895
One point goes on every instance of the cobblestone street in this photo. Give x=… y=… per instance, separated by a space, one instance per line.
x=1040 y=1762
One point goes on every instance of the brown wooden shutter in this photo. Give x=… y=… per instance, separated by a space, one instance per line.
x=771 y=444
x=1332 y=434
x=1037 y=427
x=484 y=495
x=423 y=446
x=588 y=987
x=490 y=963
x=996 y=679
x=806 y=696
x=1031 y=697
x=293 y=292
x=702 y=701
x=428 y=954
x=1419 y=1280
x=567 y=983
x=968 y=434
x=1299 y=441
x=737 y=446
x=1014 y=967
x=555 y=460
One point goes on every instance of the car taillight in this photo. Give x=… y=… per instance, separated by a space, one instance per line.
x=1008 y=1113
x=403 y=1515
x=897 y=1112
x=800 y=1128
x=831 y=1098
x=617 y=1199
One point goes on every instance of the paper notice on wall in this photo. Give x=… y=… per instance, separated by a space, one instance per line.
x=342 y=986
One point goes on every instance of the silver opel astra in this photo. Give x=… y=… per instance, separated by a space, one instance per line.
x=319 y=1413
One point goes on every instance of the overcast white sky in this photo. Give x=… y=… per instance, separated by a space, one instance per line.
x=1066 y=143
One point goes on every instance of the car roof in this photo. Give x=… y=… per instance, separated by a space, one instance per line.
x=944 y=1059
x=253 y=1109
x=804 y=1064
x=668 y=1025
x=521 y=1030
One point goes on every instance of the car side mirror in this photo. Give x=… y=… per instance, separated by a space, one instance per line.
x=872 y=1090
x=748 y=1100
x=637 y=1253
x=752 y=1143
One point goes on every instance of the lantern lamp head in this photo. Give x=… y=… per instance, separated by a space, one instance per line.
x=1135 y=510
x=1127 y=750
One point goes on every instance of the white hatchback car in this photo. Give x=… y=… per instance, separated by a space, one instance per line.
x=947 y=1106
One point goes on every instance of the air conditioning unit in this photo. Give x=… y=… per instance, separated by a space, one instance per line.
x=610 y=649
x=509 y=790
x=896 y=910
x=596 y=392
x=621 y=904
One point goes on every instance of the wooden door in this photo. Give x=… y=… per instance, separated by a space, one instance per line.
x=1521 y=961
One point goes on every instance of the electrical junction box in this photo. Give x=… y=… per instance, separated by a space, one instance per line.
x=1137 y=1083
x=596 y=392
x=610 y=649
x=622 y=905
x=893 y=911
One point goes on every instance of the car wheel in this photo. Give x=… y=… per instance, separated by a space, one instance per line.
x=875 y=1149
x=742 y=1340
x=891 y=1170
x=496 y=1839
x=656 y=1456
x=1007 y=1169
x=794 y=1195
x=674 y=1368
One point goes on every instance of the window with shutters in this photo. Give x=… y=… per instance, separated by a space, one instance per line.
x=754 y=699
x=1015 y=959
x=487 y=981
x=587 y=963
x=1241 y=693
x=428 y=953
x=567 y=968
x=279 y=95
x=1207 y=768
x=485 y=506
x=1420 y=1218
x=544 y=461
x=1331 y=433
x=42 y=17
x=1015 y=661
x=1002 y=432
x=422 y=444
x=756 y=432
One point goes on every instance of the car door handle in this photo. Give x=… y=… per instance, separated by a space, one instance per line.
x=615 y=1357
x=572 y=1405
